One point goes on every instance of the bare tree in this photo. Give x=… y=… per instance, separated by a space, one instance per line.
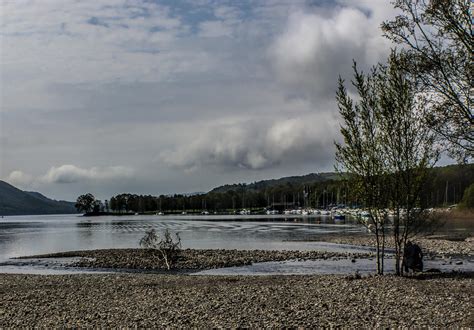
x=438 y=49
x=167 y=247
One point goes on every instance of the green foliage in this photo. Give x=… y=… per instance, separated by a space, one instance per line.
x=388 y=149
x=334 y=191
x=269 y=184
x=408 y=151
x=467 y=201
x=86 y=203
x=437 y=47
x=361 y=154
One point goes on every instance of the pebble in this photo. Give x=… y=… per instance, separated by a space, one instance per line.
x=181 y=301
x=435 y=246
x=190 y=259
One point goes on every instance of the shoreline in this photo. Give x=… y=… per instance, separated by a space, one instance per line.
x=246 y=263
x=436 y=245
x=175 y=299
x=193 y=260
x=189 y=260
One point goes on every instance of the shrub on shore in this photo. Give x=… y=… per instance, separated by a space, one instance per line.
x=167 y=247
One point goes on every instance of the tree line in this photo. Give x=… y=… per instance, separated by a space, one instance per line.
x=445 y=187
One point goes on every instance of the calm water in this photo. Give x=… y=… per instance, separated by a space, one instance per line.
x=29 y=235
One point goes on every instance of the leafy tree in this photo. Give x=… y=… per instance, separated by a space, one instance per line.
x=113 y=204
x=360 y=157
x=97 y=206
x=333 y=191
x=467 y=201
x=437 y=35
x=388 y=151
x=408 y=151
x=85 y=203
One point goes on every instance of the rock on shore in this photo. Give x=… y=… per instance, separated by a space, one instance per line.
x=189 y=259
x=144 y=300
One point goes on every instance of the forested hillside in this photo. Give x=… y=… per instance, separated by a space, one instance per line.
x=14 y=201
x=446 y=186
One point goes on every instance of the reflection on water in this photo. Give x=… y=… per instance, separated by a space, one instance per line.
x=28 y=235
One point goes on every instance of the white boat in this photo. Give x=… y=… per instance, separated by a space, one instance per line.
x=271 y=212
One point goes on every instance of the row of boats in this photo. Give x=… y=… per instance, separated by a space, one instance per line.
x=334 y=213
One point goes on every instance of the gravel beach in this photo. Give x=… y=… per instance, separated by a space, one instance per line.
x=189 y=259
x=432 y=245
x=144 y=300
x=178 y=300
x=435 y=245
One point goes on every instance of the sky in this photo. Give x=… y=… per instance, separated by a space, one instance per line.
x=169 y=96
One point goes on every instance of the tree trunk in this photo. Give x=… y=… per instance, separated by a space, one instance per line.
x=396 y=237
x=165 y=258
x=383 y=251
x=377 y=238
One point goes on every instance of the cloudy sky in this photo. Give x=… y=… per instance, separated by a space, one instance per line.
x=165 y=96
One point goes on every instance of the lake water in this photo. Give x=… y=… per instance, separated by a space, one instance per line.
x=30 y=235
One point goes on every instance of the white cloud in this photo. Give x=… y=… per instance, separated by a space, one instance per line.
x=227 y=13
x=214 y=29
x=211 y=86
x=258 y=145
x=72 y=173
x=89 y=41
x=19 y=179
x=318 y=46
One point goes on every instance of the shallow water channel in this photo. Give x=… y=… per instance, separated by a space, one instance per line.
x=31 y=235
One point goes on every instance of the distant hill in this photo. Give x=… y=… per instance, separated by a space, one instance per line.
x=14 y=201
x=444 y=186
x=289 y=180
